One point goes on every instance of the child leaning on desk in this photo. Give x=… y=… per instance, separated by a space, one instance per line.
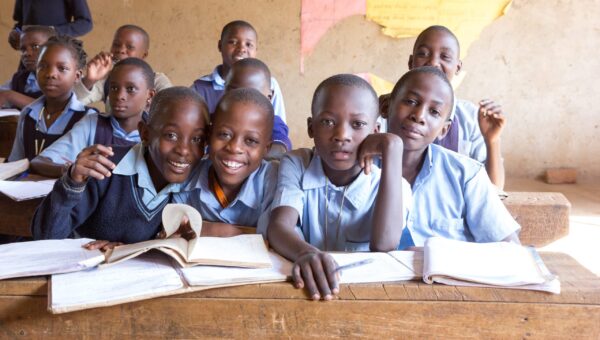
x=452 y=194
x=332 y=194
x=116 y=195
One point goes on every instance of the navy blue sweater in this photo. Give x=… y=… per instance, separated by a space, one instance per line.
x=110 y=209
x=70 y=17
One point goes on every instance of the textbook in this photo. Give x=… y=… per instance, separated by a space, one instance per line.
x=148 y=276
x=248 y=250
x=46 y=257
x=10 y=169
x=26 y=190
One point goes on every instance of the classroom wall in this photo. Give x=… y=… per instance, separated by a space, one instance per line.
x=539 y=61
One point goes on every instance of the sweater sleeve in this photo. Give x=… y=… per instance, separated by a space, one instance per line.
x=280 y=133
x=82 y=19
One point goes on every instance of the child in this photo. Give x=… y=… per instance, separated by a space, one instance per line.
x=238 y=41
x=117 y=194
x=453 y=196
x=53 y=114
x=475 y=130
x=326 y=193
x=234 y=186
x=253 y=73
x=131 y=88
x=129 y=41
x=23 y=88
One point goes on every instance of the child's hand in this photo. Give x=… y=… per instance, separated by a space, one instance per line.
x=384 y=103
x=102 y=245
x=185 y=230
x=316 y=272
x=92 y=162
x=4 y=97
x=99 y=67
x=376 y=145
x=491 y=120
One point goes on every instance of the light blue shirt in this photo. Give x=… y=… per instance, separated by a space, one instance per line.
x=134 y=163
x=249 y=207
x=278 y=105
x=454 y=198
x=58 y=126
x=348 y=210
x=81 y=136
x=470 y=139
x=31 y=84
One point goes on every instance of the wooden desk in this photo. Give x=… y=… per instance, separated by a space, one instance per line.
x=8 y=130
x=400 y=310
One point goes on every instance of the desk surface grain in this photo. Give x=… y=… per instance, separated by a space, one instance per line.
x=400 y=309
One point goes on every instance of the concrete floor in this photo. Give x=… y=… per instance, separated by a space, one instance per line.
x=583 y=241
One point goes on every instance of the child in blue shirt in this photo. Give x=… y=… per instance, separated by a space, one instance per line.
x=116 y=194
x=22 y=89
x=325 y=192
x=131 y=88
x=234 y=186
x=452 y=194
x=53 y=114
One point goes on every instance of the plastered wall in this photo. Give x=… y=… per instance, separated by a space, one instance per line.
x=540 y=61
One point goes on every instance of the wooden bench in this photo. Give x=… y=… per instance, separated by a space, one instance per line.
x=399 y=310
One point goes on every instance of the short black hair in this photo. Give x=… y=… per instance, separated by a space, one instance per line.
x=421 y=70
x=438 y=28
x=236 y=24
x=48 y=31
x=139 y=63
x=75 y=46
x=253 y=63
x=247 y=95
x=139 y=30
x=349 y=80
x=176 y=93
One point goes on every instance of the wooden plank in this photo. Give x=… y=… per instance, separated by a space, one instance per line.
x=8 y=130
x=17 y=216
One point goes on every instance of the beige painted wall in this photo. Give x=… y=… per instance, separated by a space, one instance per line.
x=540 y=61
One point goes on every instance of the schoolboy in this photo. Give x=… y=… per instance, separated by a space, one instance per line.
x=253 y=73
x=129 y=41
x=234 y=186
x=238 y=40
x=475 y=130
x=117 y=194
x=325 y=192
x=22 y=89
x=53 y=114
x=131 y=84
x=452 y=194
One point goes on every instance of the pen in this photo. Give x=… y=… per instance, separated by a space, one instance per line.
x=353 y=265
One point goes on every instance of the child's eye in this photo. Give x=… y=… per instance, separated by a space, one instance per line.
x=170 y=136
x=251 y=141
x=113 y=89
x=446 y=57
x=435 y=112
x=35 y=47
x=249 y=45
x=359 y=124
x=63 y=69
x=327 y=122
x=410 y=102
x=131 y=89
x=130 y=47
x=224 y=135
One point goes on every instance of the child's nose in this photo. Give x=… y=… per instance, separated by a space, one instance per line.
x=235 y=145
x=418 y=115
x=341 y=133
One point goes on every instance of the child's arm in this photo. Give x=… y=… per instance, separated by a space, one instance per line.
x=388 y=211
x=46 y=167
x=15 y=99
x=97 y=69
x=491 y=124
x=220 y=229
x=281 y=143
x=18 y=149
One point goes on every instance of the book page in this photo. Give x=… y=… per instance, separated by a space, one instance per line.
x=384 y=268
x=247 y=250
x=128 y=251
x=46 y=257
x=216 y=275
x=497 y=263
x=10 y=169
x=412 y=260
x=9 y=112
x=26 y=190
x=147 y=276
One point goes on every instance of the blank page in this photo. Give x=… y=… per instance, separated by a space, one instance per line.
x=384 y=268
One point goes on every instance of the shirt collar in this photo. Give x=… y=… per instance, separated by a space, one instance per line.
x=215 y=78
x=118 y=130
x=36 y=107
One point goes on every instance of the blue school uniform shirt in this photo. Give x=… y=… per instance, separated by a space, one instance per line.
x=31 y=84
x=454 y=198
x=33 y=110
x=303 y=185
x=249 y=207
x=470 y=139
x=81 y=136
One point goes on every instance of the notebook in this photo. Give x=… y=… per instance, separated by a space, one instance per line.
x=26 y=190
x=10 y=169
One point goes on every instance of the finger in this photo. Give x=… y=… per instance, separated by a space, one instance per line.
x=330 y=265
x=492 y=109
x=96 y=244
x=309 y=281
x=320 y=277
x=297 y=277
x=111 y=245
x=161 y=234
x=99 y=163
x=368 y=164
x=85 y=172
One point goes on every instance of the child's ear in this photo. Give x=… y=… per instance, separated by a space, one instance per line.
x=219 y=45
x=410 y=61
x=445 y=129
x=377 y=127
x=271 y=94
x=145 y=54
x=78 y=75
x=458 y=67
x=309 y=127
x=144 y=132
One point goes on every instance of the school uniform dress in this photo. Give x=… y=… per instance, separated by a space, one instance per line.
x=91 y=129
x=32 y=135
x=23 y=82
x=249 y=207
x=124 y=207
x=212 y=87
x=347 y=211
x=454 y=198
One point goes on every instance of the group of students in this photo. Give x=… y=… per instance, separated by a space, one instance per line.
x=222 y=146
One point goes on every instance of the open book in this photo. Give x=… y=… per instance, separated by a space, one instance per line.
x=147 y=276
x=384 y=267
x=248 y=250
x=10 y=169
x=26 y=190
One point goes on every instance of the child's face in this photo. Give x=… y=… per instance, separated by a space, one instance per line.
x=30 y=45
x=57 y=72
x=419 y=112
x=238 y=44
x=344 y=119
x=239 y=140
x=436 y=48
x=175 y=141
x=128 y=92
x=128 y=43
x=249 y=78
